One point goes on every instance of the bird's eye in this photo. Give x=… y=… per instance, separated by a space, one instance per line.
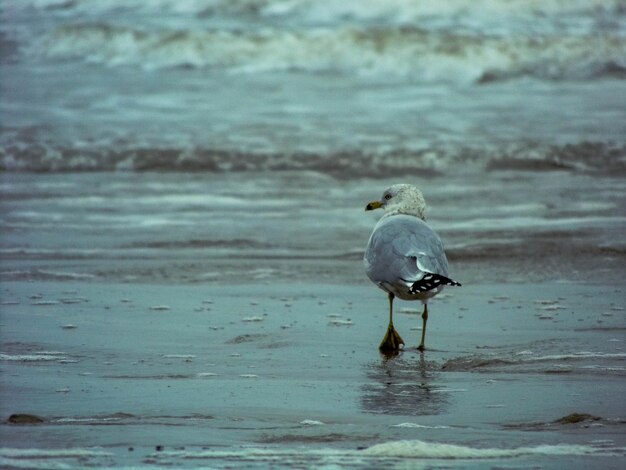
x=387 y=196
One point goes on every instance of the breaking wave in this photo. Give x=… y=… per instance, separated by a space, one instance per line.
x=584 y=156
x=421 y=449
x=379 y=455
x=404 y=51
x=333 y=12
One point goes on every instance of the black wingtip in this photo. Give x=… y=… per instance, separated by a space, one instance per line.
x=432 y=281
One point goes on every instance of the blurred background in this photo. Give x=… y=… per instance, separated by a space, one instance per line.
x=363 y=88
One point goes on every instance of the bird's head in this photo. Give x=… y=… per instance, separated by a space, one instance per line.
x=401 y=199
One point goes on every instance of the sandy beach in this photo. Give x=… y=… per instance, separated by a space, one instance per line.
x=251 y=376
x=182 y=229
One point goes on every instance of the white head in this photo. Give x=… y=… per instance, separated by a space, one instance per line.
x=401 y=199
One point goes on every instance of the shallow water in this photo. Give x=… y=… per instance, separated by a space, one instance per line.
x=283 y=227
x=215 y=376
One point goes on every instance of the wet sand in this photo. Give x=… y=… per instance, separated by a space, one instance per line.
x=258 y=375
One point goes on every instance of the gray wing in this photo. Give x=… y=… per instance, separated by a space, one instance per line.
x=403 y=248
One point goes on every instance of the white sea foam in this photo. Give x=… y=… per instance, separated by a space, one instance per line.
x=37 y=357
x=340 y=322
x=52 y=459
x=435 y=450
x=405 y=450
x=329 y=11
x=365 y=36
x=95 y=419
x=373 y=161
x=576 y=356
x=517 y=222
x=42 y=274
x=311 y=422
x=405 y=11
x=422 y=50
x=253 y=319
x=81 y=420
x=418 y=426
x=384 y=51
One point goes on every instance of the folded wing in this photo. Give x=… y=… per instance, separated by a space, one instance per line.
x=403 y=249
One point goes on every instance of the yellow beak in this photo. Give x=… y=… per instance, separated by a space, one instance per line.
x=373 y=205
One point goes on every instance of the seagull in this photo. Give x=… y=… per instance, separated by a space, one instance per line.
x=404 y=256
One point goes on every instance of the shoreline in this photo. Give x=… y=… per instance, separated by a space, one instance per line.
x=213 y=229
x=247 y=373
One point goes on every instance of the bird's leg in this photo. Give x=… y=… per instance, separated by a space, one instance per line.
x=424 y=319
x=392 y=340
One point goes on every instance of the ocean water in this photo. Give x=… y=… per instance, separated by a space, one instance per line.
x=132 y=132
x=371 y=88
x=275 y=227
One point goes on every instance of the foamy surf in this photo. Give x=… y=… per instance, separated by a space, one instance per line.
x=44 y=356
x=34 y=153
x=384 y=51
x=388 y=453
x=54 y=459
x=416 y=449
x=418 y=426
x=438 y=85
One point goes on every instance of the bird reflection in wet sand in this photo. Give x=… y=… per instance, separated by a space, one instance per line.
x=399 y=386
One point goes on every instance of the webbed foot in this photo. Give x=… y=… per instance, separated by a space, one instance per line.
x=391 y=342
